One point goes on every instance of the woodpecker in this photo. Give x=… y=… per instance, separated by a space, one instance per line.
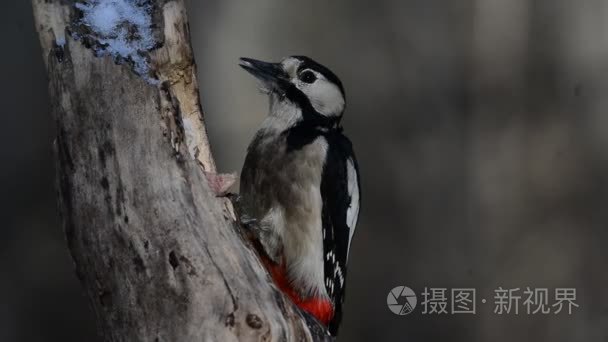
x=300 y=185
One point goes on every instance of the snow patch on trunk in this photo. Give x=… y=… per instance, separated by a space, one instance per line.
x=120 y=28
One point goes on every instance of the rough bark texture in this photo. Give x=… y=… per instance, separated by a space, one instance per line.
x=159 y=256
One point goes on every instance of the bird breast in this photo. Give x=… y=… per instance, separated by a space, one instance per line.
x=289 y=183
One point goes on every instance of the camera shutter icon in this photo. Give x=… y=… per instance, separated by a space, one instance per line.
x=401 y=300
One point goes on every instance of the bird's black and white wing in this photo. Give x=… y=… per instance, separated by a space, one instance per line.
x=341 y=199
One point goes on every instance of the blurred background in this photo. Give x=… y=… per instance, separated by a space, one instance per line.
x=480 y=128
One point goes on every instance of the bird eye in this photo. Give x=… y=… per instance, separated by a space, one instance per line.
x=308 y=76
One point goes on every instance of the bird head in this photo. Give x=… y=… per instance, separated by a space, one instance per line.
x=301 y=82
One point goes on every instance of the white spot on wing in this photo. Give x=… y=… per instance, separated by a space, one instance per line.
x=352 y=214
x=338 y=272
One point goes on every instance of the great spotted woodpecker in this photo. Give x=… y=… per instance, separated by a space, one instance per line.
x=300 y=185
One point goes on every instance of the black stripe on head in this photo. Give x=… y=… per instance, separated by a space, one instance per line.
x=309 y=63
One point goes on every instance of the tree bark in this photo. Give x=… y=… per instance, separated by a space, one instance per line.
x=158 y=254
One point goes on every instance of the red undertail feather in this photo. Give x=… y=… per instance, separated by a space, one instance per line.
x=321 y=308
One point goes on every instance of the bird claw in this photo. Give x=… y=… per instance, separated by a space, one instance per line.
x=248 y=221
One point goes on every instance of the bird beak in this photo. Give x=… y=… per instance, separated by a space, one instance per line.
x=271 y=75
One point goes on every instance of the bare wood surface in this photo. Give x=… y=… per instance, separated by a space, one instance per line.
x=157 y=253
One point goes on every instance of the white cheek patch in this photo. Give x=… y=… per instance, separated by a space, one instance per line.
x=325 y=97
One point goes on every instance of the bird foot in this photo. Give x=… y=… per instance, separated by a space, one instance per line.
x=220 y=183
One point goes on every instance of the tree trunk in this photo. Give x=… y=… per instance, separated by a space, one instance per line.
x=159 y=255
